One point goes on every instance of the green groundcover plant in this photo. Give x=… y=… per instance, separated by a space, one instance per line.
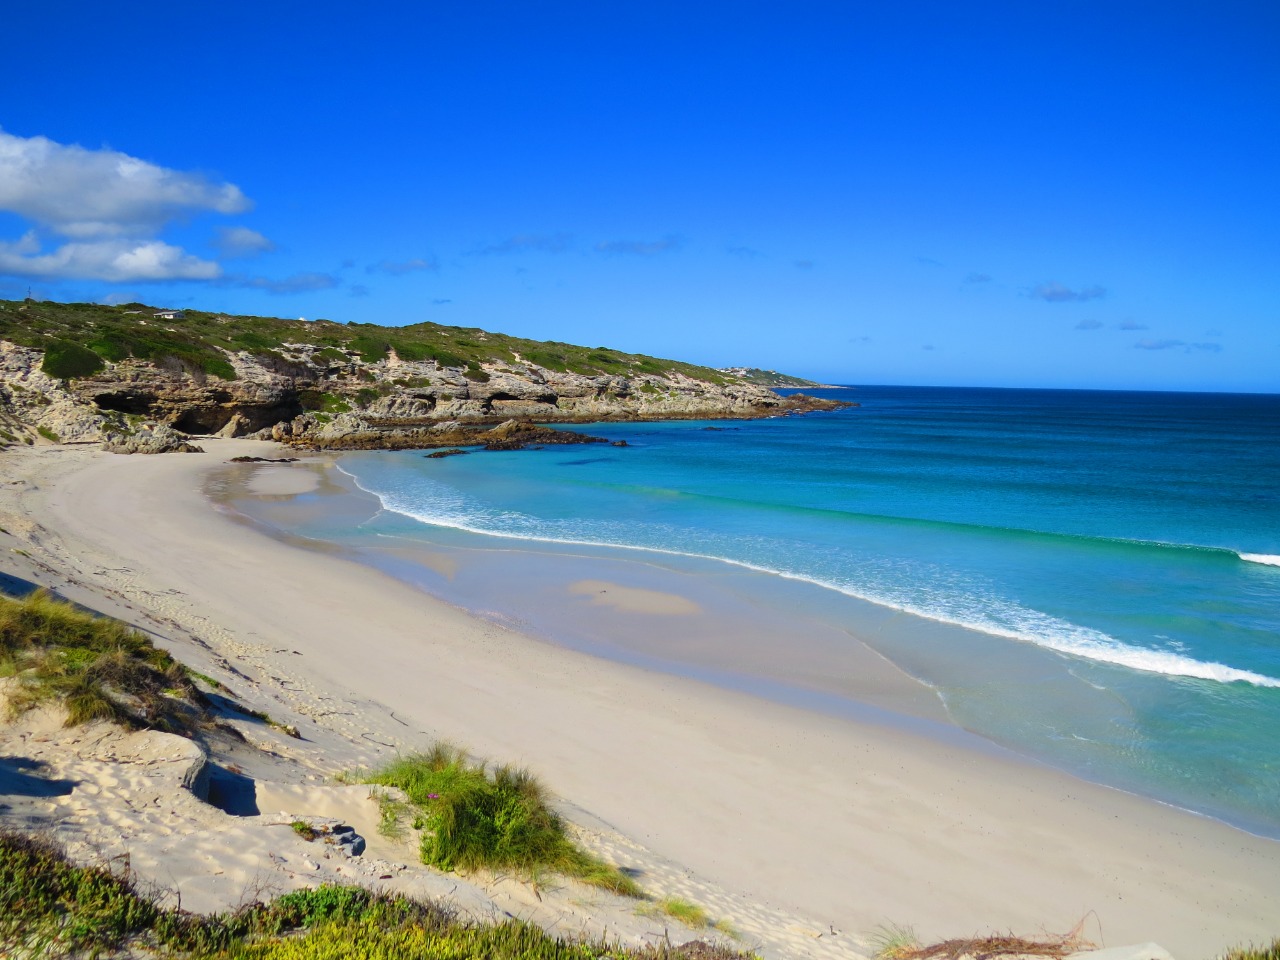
x=474 y=817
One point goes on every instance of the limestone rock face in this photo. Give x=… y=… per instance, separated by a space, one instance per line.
x=161 y=438
x=303 y=395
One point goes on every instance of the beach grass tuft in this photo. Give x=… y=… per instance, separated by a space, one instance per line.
x=685 y=911
x=894 y=942
x=500 y=818
x=1269 y=951
x=49 y=907
x=99 y=668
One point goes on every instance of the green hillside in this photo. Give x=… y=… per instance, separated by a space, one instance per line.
x=79 y=336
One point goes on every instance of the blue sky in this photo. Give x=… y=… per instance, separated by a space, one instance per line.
x=1010 y=194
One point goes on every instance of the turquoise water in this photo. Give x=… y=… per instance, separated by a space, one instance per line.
x=1112 y=558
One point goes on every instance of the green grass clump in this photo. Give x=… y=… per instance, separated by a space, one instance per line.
x=48 y=434
x=1270 y=951
x=499 y=819
x=52 y=908
x=894 y=942
x=688 y=913
x=99 y=668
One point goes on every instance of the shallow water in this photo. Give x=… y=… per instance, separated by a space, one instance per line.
x=1087 y=577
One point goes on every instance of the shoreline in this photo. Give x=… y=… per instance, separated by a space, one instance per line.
x=858 y=824
x=856 y=664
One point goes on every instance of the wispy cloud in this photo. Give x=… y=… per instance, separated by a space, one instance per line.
x=929 y=262
x=527 y=243
x=400 y=268
x=240 y=243
x=638 y=248
x=978 y=278
x=1057 y=293
x=358 y=290
x=746 y=253
x=1131 y=325
x=927 y=346
x=803 y=264
x=1175 y=344
x=1089 y=324
x=440 y=301
x=297 y=283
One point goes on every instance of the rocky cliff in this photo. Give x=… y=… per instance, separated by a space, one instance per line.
x=85 y=374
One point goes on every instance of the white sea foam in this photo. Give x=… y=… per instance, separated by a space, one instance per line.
x=442 y=506
x=1266 y=558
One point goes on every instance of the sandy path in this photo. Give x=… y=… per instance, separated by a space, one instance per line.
x=854 y=824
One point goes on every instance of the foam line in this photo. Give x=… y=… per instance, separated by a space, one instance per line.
x=1034 y=627
x=1264 y=558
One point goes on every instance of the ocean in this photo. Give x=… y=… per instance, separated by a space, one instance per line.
x=1090 y=579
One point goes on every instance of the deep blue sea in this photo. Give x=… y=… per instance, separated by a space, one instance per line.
x=1114 y=557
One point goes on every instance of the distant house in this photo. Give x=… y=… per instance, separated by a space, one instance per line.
x=169 y=314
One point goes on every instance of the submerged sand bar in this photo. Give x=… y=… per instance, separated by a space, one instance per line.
x=859 y=823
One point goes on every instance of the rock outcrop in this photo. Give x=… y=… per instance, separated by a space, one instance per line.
x=306 y=395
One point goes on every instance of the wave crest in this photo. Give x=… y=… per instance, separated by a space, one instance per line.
x=447 y=508
x=1263 y=558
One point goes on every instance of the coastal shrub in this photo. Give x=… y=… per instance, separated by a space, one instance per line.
x=99 y=668
x=474 y=817
x=67 y=361
x=330 y=355
x=48 y=434
x=318 y=401
x=371 y=349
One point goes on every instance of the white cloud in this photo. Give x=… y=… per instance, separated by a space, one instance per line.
x=93 y=194
x=114 y=260
x=239 y=242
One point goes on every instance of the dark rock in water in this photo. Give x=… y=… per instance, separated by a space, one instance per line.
x=804 y=403
x=620 y=443
x=717 y=429
x=515 y=435
x=451 y=452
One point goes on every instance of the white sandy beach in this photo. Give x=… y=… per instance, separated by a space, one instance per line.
x=850 y=825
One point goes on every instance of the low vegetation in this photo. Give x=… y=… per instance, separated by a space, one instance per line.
x=51 y=908
x=685 y=911
x=901 y=943
x=769 y=378
x=78 y=337
x=1270 y=951
x=476 y=817
x=100 y=669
